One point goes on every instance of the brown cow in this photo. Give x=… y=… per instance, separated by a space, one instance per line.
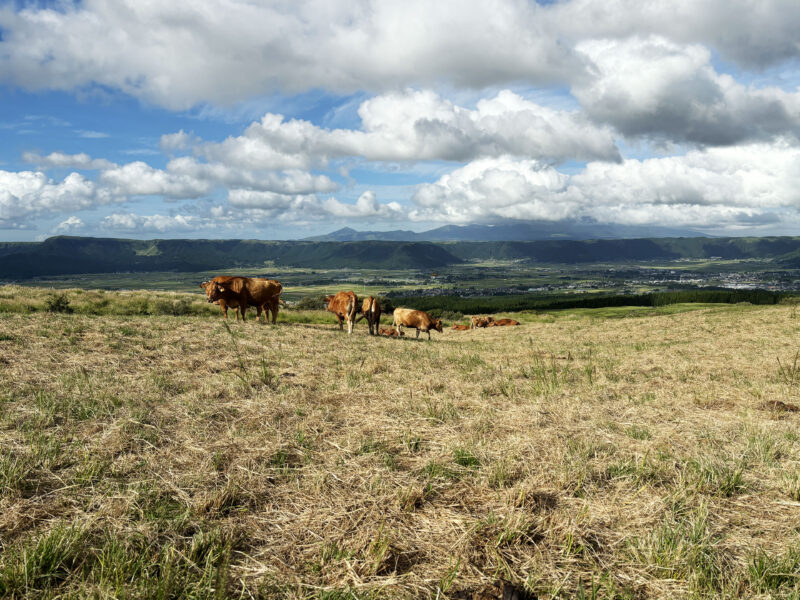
x=503 y=323
x=460 y=327
x=371 y=311
x=419 y=320
x=241 y=292
x=265 y=295
x=345 y=306
x=481 y=322
x=389 y=332
x=224 y=301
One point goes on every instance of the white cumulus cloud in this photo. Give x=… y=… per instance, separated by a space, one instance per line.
x=140 y=224
x=654 y=87
x=71 y=225
x=714 y=188
x=25 y=195
x=305 y=208
x=67 y=161
x=140 y=179
x=291 y=181
x=420 y=125
x=181 y=53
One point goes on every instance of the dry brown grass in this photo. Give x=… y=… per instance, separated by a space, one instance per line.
x=619 y=458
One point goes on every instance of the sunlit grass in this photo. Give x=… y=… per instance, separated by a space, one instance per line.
x=608 y=454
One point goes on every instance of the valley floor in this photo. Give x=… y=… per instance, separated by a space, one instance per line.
x=644 y=457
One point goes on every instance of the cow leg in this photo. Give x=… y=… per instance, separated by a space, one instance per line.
x=416 y=338
x=341 y=323
x=274 y=310
x=350 y=323
x=224 y=308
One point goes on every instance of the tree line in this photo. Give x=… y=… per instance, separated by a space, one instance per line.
x=520 y=302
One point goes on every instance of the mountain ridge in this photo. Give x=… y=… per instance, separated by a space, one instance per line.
x=64 y=255
x=510 y=232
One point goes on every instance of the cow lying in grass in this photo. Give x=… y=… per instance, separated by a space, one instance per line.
x=388 y=331
x=345 y=306
x=460 y=327
x=481 y=322
x=419 y=320
x=503 y=323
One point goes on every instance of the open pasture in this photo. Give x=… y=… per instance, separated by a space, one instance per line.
x=575 y=456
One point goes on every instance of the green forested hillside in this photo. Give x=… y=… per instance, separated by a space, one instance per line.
x=75 y=255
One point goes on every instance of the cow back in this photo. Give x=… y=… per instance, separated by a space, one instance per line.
x=371 y=306
x=262 y=291
x=344 y=304
x=408 y=317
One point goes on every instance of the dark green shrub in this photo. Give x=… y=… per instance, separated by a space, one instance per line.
x=58 y=303
x=311 y=303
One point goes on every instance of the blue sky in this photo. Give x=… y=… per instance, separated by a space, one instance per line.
x=227 y=119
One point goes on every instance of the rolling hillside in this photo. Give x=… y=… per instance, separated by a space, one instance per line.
x=573 y=457
x=76 y=255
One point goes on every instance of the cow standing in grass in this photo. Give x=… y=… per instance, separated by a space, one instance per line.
x=371 y=311
x=225 y=301
x=345 y=306
x=240 y=292
x=418 y=319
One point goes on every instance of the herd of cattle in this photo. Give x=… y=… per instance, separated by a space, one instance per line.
x=239 y=293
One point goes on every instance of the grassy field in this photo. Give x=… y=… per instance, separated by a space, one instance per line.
x=297 y=283
x=592 y=454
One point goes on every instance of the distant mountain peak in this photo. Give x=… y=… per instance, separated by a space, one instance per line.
x=519 y=231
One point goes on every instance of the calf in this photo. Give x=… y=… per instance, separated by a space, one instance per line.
x=345 y=306
x=218 y=293
x=419 y=320
x=388 y=331
x=461 y=327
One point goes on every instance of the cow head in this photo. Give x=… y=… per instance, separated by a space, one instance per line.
x=215 y=291
x=437 y=325
x=208 y=286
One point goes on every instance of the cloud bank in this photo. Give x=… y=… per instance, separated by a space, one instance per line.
x=659 y=112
